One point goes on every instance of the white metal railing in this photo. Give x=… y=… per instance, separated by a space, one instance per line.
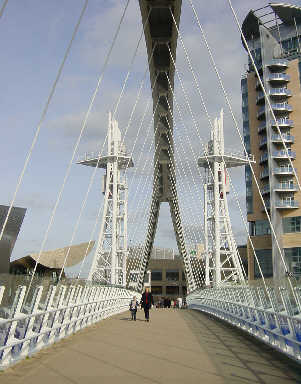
x=25 y=329
x=272 y=316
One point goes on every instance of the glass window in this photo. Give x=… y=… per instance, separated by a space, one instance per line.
x=245 y=113
x=246 y=128
x=293 y=258
x=156 y=275
x=184 y=290
x=244 y=86
x=172 y=275
x=249 y=203
x=264 y=257
x=291 y=224
x=173 y=290
x=156 y=290
x=183 y=276
x=262 y=227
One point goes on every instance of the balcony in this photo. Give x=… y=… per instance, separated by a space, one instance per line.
x=258 y=85
x=278 y=78
x=264 y=173
x=279 y=93
x=286 y=204
x=282 y=108
x=267 y=205
x=282 y=171
x=261 y=113
x=263 y=158
x=278 y=65
x=265 y=189
x=262 y=127
x=279 y=139
x=263 y=142
x=283 y=155
x=285 y=187
x=282 y=123
x=260 y=98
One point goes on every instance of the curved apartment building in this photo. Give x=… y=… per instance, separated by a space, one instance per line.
x=273 y=34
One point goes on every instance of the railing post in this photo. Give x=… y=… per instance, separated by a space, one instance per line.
x=28 y=332
x=11 y=329
x=56 y=314
x=41 y=339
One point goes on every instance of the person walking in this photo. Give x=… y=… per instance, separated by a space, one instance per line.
x=133 y=307
x=146 y=302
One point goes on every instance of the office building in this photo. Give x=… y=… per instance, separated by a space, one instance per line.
x=10 y=234
x=273 y=36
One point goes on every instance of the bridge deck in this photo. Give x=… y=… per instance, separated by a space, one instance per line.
x=177 y=346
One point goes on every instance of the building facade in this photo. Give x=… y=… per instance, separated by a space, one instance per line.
x=10 y=234
x=273 y=34
x=167 y=278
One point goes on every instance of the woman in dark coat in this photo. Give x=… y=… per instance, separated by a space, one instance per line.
x=146 y=302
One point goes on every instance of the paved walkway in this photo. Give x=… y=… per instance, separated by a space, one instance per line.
x=177 y=346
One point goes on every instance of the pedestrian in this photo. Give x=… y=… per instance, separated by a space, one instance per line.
x=146 y=302
x=180 y=302
x=133 y=307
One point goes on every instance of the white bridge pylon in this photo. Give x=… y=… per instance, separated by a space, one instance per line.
x=222 y=260
x=109 y=262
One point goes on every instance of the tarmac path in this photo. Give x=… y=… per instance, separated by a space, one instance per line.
x=176 y=346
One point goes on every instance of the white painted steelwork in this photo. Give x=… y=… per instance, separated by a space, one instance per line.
x=109 y=262
x=221 y=254
x=63 y=312
x=272 y=316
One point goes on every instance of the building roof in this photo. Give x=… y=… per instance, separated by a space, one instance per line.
x=55 y=258
x=287 y=13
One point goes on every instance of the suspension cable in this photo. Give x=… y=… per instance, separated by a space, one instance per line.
x=237 y=128
x=42 y=118
x=77 y=144
x=3 y=7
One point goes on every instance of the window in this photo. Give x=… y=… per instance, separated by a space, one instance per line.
x=247 y=143
x=246 y=128
x=245 y=113
x=262 y=227
x=249 y=203
x=156 y=275
x=264 y=257
x=156 y=290
x=172 y=275
x=293 y=258
x=184 y=290
x=183 y=276
x=174 y=290
x=291 y=224
x=244 y=86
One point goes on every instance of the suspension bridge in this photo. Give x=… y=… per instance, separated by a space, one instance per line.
x=232 y=330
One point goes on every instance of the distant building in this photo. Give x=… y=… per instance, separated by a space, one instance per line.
x=51 y=262
x=10 y=234
x=167 y=278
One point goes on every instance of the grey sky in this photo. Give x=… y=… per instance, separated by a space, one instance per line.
x=34 y=35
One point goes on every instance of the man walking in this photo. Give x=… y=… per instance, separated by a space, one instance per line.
x=146 y=302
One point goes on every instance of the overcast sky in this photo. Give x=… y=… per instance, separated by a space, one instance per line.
x=34 y=35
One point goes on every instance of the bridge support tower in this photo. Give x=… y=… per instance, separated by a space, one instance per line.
x=109 y=262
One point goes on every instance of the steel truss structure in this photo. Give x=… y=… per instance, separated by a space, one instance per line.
x=109 y=262
x=221 y=254
x=161 y=36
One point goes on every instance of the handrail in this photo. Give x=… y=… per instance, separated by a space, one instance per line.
x=277 y=323
x=64 y=311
